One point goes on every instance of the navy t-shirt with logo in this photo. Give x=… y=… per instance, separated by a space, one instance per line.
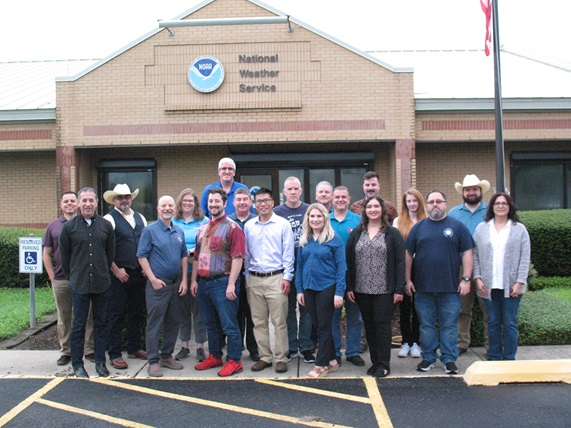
x=436 y=246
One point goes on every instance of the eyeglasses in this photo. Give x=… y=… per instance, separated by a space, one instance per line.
x=501 y=204
x=435 y=202
x=263 y=201
x=120 y=198
x=226 y=168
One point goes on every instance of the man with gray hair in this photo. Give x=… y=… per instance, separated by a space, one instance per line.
x=226 y=172
x=324 y=194
x=87 y=250
x=163 y=257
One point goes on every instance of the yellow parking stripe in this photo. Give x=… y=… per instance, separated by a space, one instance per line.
x=377 y=403
x=7 y=417
x=316 y=391
x=96 y=415
x=215 y=404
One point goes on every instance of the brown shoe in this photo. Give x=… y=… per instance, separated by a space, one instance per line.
x=154 y=370
x=260 y=365
x=119 y=363
x=140 y=354
x=170 y=363
x=281 y=367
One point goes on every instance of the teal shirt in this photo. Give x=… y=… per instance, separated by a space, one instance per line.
x=470 y=219
x=190 y=230
x=344 y=227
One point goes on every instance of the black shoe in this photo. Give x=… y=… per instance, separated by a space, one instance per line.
x=291 y=353
x=372 y=369
x=80 y=372
x=381 y=372
x=451 y=368
x=101 y=369
x=462 y=350
x=308 y=356
x=357 y=360
x=63 y=360
x=425 y=366
x=90 y=357
x=338 y=359
x=255 y=356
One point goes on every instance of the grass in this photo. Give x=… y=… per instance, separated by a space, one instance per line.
x=563 y=293
x=15 y=313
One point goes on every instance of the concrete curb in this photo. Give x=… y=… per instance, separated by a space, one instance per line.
x=492 y=373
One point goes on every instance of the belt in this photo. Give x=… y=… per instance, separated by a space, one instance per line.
x=266 y=274
x=212 y=278
x=170 y=281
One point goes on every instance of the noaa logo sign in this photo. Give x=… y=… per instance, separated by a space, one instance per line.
x=206 y=74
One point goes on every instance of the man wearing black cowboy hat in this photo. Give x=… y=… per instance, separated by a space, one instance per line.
x=127 y=280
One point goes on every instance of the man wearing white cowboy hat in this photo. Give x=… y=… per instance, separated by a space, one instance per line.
x=471 y=212
x=127 y=280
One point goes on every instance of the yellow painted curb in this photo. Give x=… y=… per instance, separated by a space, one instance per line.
x=491 y=373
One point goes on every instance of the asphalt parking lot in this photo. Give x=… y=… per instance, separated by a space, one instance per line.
x=361 y=402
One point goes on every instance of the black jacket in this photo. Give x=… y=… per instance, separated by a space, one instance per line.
x=395 y=263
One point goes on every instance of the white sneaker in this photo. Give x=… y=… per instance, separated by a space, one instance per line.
x=404 y=350
x=415 y=351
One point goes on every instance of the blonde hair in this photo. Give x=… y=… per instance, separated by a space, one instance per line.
x=405 y=223
x=326 y=234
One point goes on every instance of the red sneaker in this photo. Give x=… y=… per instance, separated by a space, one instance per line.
x=230 y=368
x=209 y=363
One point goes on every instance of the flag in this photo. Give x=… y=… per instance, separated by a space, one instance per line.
x=487 y=9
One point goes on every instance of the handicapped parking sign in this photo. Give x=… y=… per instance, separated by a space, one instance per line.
x=30 y=255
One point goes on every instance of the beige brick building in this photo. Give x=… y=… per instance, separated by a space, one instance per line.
x=291 y=103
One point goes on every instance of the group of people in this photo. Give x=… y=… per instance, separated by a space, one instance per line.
x=220 y=267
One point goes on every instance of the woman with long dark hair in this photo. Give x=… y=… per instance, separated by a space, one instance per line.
x=501 y=267
x=413 y=210
x=320 y=281
x=376 y=278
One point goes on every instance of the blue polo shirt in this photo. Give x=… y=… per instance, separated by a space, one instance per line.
x=470 y=219
x=163 y=247
x=230 y=209
x=344 y=227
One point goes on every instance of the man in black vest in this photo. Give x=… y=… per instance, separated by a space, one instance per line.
x=127 y=280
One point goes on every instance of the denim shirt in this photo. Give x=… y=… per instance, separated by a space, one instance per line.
x=320 y=266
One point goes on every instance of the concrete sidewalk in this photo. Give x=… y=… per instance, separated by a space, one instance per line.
x=19 y=363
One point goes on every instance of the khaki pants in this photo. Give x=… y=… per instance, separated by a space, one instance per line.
x=465 y=318
x=62 y=297
x=267 y=301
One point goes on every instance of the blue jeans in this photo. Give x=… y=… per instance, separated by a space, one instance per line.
x=298 y=337
x=444 y=308
x=502 y=314
x=100 y=305
x=220 y=316
x=354 y=329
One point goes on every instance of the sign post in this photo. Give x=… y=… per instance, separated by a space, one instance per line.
x=31 y=263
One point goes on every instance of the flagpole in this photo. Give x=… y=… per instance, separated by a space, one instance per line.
x=500 y=159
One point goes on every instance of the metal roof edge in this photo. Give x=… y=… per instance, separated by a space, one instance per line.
x=334 y=40
x=129 y=46
x=487 y=104
x=28 y=115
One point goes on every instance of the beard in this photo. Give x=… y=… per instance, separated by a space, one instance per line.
x=437 y=214
x=474 y=200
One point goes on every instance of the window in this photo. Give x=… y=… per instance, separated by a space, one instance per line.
x=541 y=180
x=137 y=174
x=271 y=170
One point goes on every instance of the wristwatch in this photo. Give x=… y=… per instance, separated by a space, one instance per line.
x=466 y=278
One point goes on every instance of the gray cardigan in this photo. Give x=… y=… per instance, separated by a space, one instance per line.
x=516 y=258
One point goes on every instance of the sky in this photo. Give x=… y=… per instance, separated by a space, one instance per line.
x=71 y=29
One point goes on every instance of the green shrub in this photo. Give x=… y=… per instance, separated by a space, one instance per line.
x=550 y=234
x=544 y=319
x=541 y=282
x=9 y=258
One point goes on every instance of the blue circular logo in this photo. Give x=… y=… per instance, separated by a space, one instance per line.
x=206 y=74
